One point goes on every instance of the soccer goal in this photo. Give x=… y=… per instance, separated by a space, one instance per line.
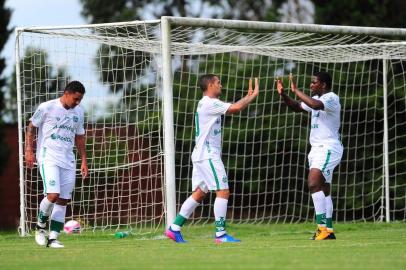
x=141 y=83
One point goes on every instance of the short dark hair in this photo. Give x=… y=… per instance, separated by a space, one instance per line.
x=75 y=86
x=324 y=77
x=204 y=81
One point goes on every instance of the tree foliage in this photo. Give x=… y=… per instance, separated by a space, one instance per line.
x=260 y=146
x=39 y=79
x=5 y=15
x=381 y=13
x=100 y=11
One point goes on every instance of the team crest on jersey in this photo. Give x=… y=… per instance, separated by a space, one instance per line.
x=75 y=119
x=52 y=182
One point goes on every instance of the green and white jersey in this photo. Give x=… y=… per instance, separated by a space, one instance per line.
x=57 y=128
x=325 y=124
x=208 y=128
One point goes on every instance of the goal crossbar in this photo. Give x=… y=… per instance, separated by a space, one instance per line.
x=285 y=27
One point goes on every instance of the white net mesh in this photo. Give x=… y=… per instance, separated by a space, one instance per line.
x=264 y=147
x=122 y=121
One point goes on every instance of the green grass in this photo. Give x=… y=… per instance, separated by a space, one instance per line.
x=279 y=246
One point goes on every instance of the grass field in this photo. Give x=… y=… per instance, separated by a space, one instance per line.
x=279 y=246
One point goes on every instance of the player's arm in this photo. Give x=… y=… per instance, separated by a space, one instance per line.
x=309 y=101
x=243 y=103
x=291 y=103
x=30 y=134
x=81 y=147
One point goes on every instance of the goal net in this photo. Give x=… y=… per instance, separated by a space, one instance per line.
x=131 y=152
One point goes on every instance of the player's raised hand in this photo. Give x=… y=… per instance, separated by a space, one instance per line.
x=250 y=97
x=279 y=85
x=292 y=83
x=253 y=92
x=250 y=91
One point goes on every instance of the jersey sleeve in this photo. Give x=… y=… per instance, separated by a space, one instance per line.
x=305 y=107
x=81 y=129
x=217 y=107
x=39 y=115
x=331 y=102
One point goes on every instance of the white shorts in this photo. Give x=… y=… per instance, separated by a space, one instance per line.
x=57 y=180
x=325 y=159
x=208 y=175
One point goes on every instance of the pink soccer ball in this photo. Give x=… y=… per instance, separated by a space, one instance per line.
x=72 y=226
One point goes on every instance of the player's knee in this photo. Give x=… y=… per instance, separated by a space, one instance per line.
x=326 y=189
x=314 y=186
x=198 y=195
x=62 y=202
x=53 y=197
x=224 y=193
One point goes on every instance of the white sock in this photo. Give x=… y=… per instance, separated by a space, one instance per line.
x=186 y=210
x=57 y=220
x=45 y=209
x=220 y=213
x=319 y=201
x=329 y=212
x=329 y=207
x=188 y=207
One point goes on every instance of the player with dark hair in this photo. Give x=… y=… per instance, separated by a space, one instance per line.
x=60 y=127
x=209 y=173
x=326 y=148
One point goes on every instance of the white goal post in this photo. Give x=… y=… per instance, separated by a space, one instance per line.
x=141 y=81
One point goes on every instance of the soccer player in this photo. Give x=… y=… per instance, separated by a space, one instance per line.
x=326 y=148
x=208 y=169
x=60 y=126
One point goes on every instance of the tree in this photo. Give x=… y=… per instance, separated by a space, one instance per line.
x=114 y=68
x=326 y=13
x=39 y=81
x=100 y=11
x=381 y=13
x=5 y=15
x=117 y=63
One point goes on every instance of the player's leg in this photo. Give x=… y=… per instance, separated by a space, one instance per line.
x=50 y=177
x=67 y=183
x=334 y=161
x=315 y=183
x=217 y=180
x=329 y=210
x=187 y=208
x=57 y=222
x=220 y=214
x=322 y=163
x=46 y=206
x=189 y=205
x=220 y=211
